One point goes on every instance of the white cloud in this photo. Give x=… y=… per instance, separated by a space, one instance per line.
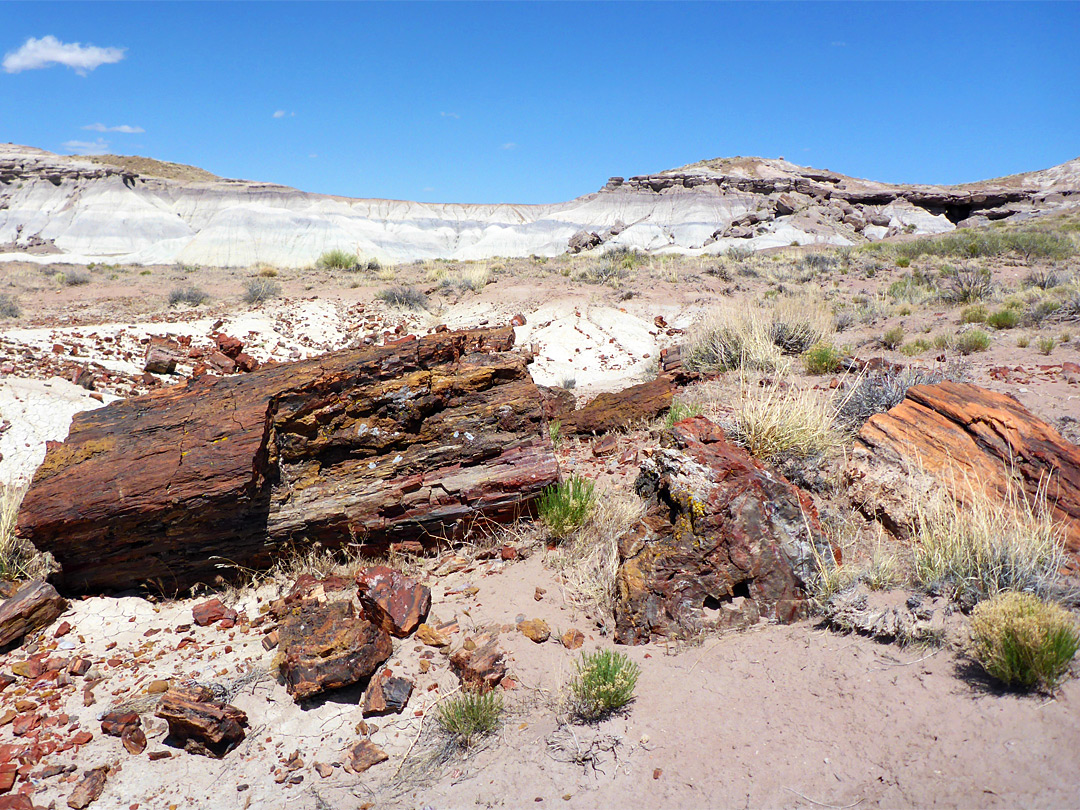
x=449 y=115
x=279 y=114
x=510 y=145
x=313 y=155
x=123 y=128
x=98 y=147
x=49 y=51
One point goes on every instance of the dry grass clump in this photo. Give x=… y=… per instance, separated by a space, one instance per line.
x=775 y=423
x=259 y=290
x=472 y=277
x=759 y=337
x=189 y=294
x=18 y=558
x=404 y=297
x=1023 y=641
x=977 y=547
x=9 y=306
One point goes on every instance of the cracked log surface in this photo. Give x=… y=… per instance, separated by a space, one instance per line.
x=409 y=442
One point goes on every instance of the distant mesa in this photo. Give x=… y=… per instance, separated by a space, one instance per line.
x=141 y=211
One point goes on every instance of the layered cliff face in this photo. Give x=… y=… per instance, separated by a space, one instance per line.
x=134 y=210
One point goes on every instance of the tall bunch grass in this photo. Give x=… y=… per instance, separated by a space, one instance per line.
x=775 y=423
x=564 y=506
x=604 y=683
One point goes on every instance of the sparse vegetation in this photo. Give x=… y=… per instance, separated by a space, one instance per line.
x=776 y=424
x=1008 y=318
x=1023 y=641
x=564 y=506
x=974 y=340
x=259 y=290
x=822 y=358
x=404 y=297
x=9 y=306
x=469 y=715
x=972 y=243
x=1045 y=344
x=73 y=278
x=974 y=314
x=893 y=338
x=966 y=285
x=877 y=393
x=680 y=410
x=190 y=295
x=604 y=683
x=339 y=260
x=18 y=558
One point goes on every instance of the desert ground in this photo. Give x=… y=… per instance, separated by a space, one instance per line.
x=810 y=713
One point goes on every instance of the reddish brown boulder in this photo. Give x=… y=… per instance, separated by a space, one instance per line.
x=386 y=694
x=392 y=600
x=211 y=611
x=725 y=541
x=229 y=346
x=203 y=724
x=89 y=789
x=391 y=444
x=36 y=604
x=326 y=646
x=968 y=439
x=479 y=663
x=613 y=410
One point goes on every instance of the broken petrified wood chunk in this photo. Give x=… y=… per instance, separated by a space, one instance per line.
x=363 y=755
x=326 y=646
x=35 y=605
x=212 y=611
x=615 y=409
x=89 y=789
x=480 y=664
x=387 y=693
x=195 y=717
x=392 y=600
x=404 y=443
x=116 y=723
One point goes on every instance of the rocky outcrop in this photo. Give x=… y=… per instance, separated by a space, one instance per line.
x=406 y=443
x=969 y=439
x=725 y=541
x=50 y=211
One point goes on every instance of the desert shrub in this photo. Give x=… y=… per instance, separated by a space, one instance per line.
x=569 y=383
x=1043 y=278
x=469 y=715
x=564 y=506
x=1023 y=641
x=966 y=285
x=914 y=288
x=604 y=683
x=1039 y=310
x=475 y=277
x=977 y=547
x=9 y=306
x=189 y=294
x=1007 y=318
x=916 y=347
x=877 y=393
x=1036 y=244
x=1045 y=344
x=777 y=424
x=974 y=314
x=974 y=340
x=843 y=320
x=822 y=358
x=893 y=338
x=404 y=297
x=1023 y=341
x=339 y=260
x=974 y=243
x=739 y=253
x=261 y=289
x=903 y=261
x=73 y=278
x=680 y=410
x=818 y=262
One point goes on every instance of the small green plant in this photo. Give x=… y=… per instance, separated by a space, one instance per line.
x=261 y=289
x=974 y=314
x=822 y=358
x=190 y=295
x=1045 y=344
x=555 y=432
x=469 y=715
x=1023 y=341
x=1023 y=641
x=9 y=307
x=404 y=297
x=338 y=260
x=903 y=261
x=973 y=341
x=916 y=347
x=893 y=338
x=1007 y=318
x=564 y=506
x=680 y=410
x=604 y=683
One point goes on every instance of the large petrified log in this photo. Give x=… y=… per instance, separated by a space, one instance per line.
x=967 y=438
x=725 y=541
x=408 y=442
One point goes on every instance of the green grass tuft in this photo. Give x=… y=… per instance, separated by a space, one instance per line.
x=470 y=715
x=564 y=506
x=604 y=683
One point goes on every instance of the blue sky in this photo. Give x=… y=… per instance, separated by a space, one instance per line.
x=524 y=102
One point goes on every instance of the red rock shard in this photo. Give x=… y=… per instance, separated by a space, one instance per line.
x=34 y=605
x=480 y=664
x=962 y=436
x=392 y=600
x=211 y=611
x=725 y=541
x=411 y=442
x=325 y=646
x=89 y=789
x=386 y=694
x=207 y=726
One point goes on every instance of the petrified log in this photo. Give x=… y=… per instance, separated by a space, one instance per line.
x=392 y=600
x=612 y=409
x=725 y=541
x=967 y=438
x=409 y=442
x=207 y=726
x=35 y=604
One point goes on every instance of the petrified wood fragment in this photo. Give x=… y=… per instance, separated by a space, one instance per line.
x=392 y=600
x=409 y=442
x=34 y=605
x=205 y=725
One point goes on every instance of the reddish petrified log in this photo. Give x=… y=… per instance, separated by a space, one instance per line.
x=205 y=725
x=725 y=541
x=410 y=442
x=969 y=439
x=611 y=410
x=34 y=605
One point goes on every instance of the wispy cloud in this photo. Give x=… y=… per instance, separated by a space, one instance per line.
x=838 y=43
x=283 y=114
x=123 y=128
x=98 y=147
x=49 y=51
x=509 y=145
x=450 y=115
